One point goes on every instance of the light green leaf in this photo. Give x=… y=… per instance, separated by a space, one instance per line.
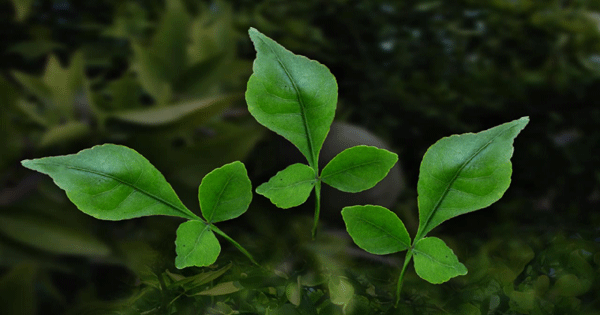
x=195 y=245
x=290 y=187
x=157 y=116
x=112 y=182
x=358 y=168
x=341 y=290
x=225 y=193
x=435 y=261
x=291 y=95
x=376 y=229
x=52 y=236
x=463 y=173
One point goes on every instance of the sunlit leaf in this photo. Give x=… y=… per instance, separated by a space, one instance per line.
x=112 y=182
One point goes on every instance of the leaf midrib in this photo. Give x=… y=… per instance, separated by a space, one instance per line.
x=384 y=231
x=451 y=182
x=353 y=167
x=123 y=182
x=301 y=103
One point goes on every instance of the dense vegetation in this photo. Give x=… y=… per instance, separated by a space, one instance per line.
x=166 y=77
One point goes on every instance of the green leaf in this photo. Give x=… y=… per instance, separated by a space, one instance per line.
x=290 y=187
x=112 y=182
x=171 y=38
x=199 y=279
x=291 y=95
x=463 y=173
x=223 y=288
x=152 y=73
x=435 y=261
x=195 y=245
x=341 y=290
x=225 y=193
x=52 y=236
x=358 y=168
x=376 y=229
x=65 y=133
x=157 y=116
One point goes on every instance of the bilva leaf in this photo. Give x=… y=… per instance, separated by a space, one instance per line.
x=225 y=193
x=196 y=245
x=436 y=262
x=376 y=229
x=463 y=173
x=112 y=182
x=358 y=168
x=291 y=95
x=290 y=187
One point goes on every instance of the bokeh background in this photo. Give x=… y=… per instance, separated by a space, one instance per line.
x=167 y=77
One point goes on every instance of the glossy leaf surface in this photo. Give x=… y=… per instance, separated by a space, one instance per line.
x=112 y=182
x=195 y=245
x=225 y=193
x=289 y=187
x=435 y=261
x=376 y=229
x=291 y=95
x=463 y=173
x=358 y=168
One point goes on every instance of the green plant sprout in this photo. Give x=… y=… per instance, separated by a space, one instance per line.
x=459 y=174
x=296 y=98
x=114 y=182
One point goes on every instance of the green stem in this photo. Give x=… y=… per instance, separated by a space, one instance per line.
x=317 y=207
x=407 y=259
x=236 y=244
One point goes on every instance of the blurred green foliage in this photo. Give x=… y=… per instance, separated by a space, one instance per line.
x=166 y=78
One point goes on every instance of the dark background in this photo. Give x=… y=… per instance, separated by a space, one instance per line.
x=74 y=74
